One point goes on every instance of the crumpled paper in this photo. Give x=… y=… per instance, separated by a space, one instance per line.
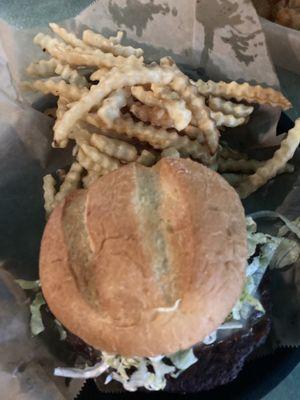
x=26 y=364
x=210 y=38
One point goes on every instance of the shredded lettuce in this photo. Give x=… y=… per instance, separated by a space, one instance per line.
x=36 y=322
x=62 y=332
x=28 y=285
x=211 y=338
x=85 y=373
x=149 y=372
x=292 y=226
x=274 y=252
x=255 y=270
x=183 y=359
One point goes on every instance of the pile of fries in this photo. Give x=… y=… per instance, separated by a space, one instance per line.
x=116 y=109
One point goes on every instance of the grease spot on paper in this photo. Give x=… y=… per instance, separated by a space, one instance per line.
x=127 y=15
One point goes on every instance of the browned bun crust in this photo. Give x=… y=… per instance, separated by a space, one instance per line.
x=113 y=258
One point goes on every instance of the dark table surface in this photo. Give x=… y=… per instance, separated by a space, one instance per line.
x=40 y=12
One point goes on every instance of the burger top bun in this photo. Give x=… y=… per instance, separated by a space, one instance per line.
x=147 y=261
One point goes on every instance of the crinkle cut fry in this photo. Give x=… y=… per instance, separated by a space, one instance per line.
x=87 y=163
x=147 y=158
x=43 y=68
x=117 y=39
x=175 y=106
x=155 y=115
x=196 y=103
x=270 y=169
x=93 y=120
x=159 y=138
x=243 y=91
x=67 y=37
x=47 y=68
x=170 y=152
x=107 y=151
x=194 y=132
x=114 y=147
x=237 y=178
x=97 y=40
x=228 y=107
x=62 y=106
x=70 y=74
x=115 y=79
x=245 y=166
x=71 y=182
x=110 y=109
x=79 y=56
x=91 y=177
x=227 y=120
x=227 y=152
x=80 y=135
x=49 y=193
x=99 y=74
x=57 y=88
x=107 y=162
x=234 y=178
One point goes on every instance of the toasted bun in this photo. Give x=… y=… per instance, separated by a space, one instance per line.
x=146 y=261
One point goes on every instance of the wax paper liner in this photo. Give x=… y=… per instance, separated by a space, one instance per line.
x=26 y=365
x=219 y=40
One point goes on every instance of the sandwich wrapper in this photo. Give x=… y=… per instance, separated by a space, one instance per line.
x=208 y=38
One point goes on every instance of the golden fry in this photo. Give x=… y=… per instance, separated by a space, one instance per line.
x=70 y=74
x=228 y=107
x=271 y=167
x=194 y=132
x=114 y=147
x=66 y=36
x=97 y=40
x=102 y=159
x=170 y=152
x=87 y=163
x=227 y=152
x=49 y=193
x=234 y=179
x=155 y=115
x=61 y=107
x=226 y=119
x=159 y=138
x=57 y=88
x=196 y=104
x=80 y=56
x=243 y=91
x=175 y=107
x=42 y=68
x=147 y=158
x=245 y=166
x=71 y=182
x=111 y=106
x=90 y=178
x=99 y=74
x=80 y=135
x=115 y=79
x=117 y=39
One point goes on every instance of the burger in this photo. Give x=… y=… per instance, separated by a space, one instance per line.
x=159 y=274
